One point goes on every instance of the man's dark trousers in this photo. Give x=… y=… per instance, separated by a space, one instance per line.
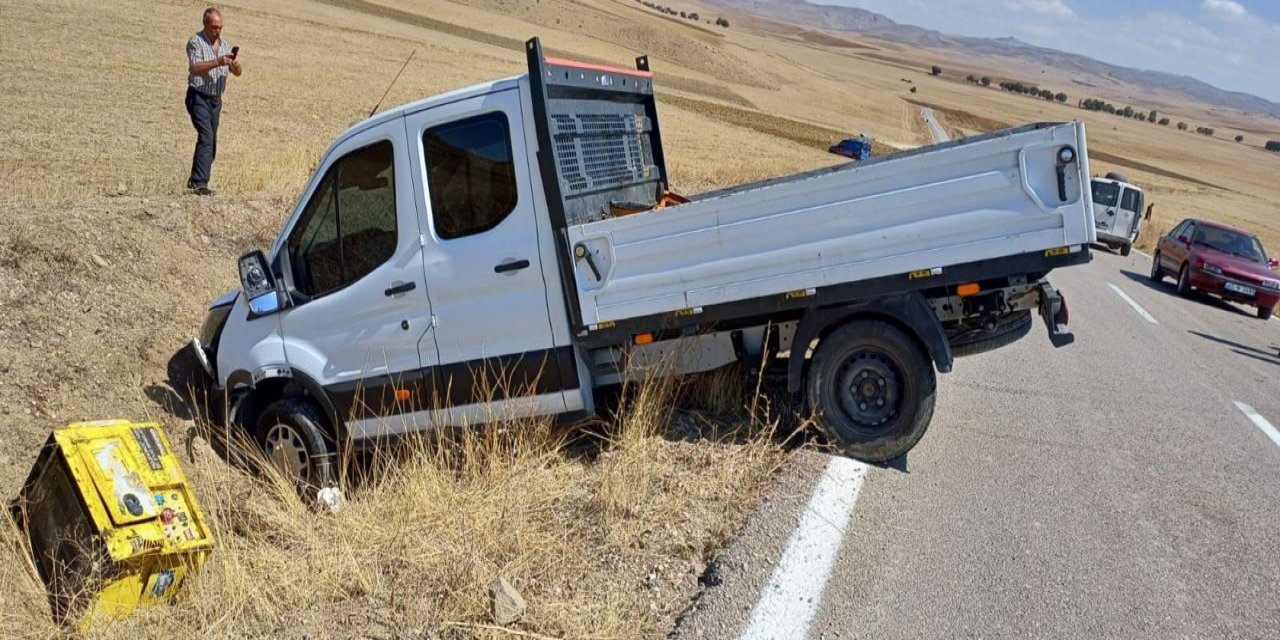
x=204 y=112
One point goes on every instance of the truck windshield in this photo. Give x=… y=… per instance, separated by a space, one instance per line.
x=1105 y=194
x=1232 y=242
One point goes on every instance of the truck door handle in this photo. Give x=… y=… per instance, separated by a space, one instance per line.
x=398 y=288
x=513 y=265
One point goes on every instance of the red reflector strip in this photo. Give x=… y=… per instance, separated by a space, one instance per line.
x=560 y=62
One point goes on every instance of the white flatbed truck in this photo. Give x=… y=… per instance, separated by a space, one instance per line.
x=505 y=249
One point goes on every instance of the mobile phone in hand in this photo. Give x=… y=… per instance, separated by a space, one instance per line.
x=235 y=51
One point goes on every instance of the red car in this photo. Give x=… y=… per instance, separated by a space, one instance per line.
x=1219 y=259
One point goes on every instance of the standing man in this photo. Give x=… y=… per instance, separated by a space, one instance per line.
x=209 y=58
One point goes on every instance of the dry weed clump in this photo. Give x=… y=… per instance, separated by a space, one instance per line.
x=605 y=541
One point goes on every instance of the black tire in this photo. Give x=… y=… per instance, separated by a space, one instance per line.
x=1008 y=331
x=1157 y=274
x=1264 y=313
x=890 y=411
x=291 y=432
x=1184 y=281
x=1126 y=249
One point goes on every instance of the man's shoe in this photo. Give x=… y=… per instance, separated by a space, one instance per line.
x=204 y=191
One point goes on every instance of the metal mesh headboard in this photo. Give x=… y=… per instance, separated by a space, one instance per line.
x=598 y=143
x=601 y=151
x=601 y=125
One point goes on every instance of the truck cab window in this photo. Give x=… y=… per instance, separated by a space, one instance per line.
x=470 y=175
x=1105 y=193
x=349 y=227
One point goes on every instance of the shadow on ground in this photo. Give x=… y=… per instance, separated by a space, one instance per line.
x=1168 y=288
x=1269 y=357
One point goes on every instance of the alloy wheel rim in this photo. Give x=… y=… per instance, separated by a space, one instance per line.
x=287 y=452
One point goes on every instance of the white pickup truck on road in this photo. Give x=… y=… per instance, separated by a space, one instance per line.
x=505 y=249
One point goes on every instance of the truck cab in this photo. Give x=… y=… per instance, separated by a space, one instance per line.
x=1117 y=207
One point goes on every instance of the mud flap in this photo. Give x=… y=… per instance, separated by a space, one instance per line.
x=1053 y=309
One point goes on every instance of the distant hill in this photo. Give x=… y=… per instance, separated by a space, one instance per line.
x=869 y=23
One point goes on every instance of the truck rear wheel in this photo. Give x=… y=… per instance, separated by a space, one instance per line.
x=291 y=433
x=1126 y=249
x=872 y=388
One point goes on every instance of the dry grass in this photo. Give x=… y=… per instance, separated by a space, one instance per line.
x=418 y=543
x=602 y=544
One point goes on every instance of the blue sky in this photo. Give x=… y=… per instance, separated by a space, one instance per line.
x=1234 y=44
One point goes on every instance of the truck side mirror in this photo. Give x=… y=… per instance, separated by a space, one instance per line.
x=1273 y=263
x=258 y=284
x=1184 y=240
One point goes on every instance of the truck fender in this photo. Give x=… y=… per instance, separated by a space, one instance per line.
x=277 y=382
x=910 y=311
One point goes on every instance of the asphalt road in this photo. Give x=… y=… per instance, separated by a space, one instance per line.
x=939 y=134
x=1111 y=488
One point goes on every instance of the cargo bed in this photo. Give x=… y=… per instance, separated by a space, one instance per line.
x=962 y=202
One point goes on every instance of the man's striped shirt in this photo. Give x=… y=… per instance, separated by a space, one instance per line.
x=199 y=49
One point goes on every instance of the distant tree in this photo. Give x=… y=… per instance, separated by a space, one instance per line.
x=1182 y=126
x=986 y=81
x=913 y=89
x=969 y=78
x=1060 y=97
x=721 y=22
x=1273 y=145
x=1240 y=138
x=1109 y=108
x=1128 y=112
x=1151 y=117
x=936 y=70
x=1164 y=122
x=694 y=16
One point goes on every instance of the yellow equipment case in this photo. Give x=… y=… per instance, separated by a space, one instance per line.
x=112 y=521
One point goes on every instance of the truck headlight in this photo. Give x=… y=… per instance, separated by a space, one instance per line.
x=1210 y=268
x=1271 y=284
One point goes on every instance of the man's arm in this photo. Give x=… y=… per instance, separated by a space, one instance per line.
x=234 y=64
x=199 y=68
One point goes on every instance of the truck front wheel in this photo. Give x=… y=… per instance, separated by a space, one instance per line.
x=872 y=388
x=291 y=433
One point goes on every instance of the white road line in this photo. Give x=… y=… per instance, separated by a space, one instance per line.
x=1136 y=307
x=789 y=602
x=1262 y=423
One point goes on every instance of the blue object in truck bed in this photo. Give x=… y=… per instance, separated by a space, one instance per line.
x=858 y=148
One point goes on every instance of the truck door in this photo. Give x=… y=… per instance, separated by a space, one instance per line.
x=493 y=328
x=1130 y=216
x=352 y=263
x=1106 y=197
